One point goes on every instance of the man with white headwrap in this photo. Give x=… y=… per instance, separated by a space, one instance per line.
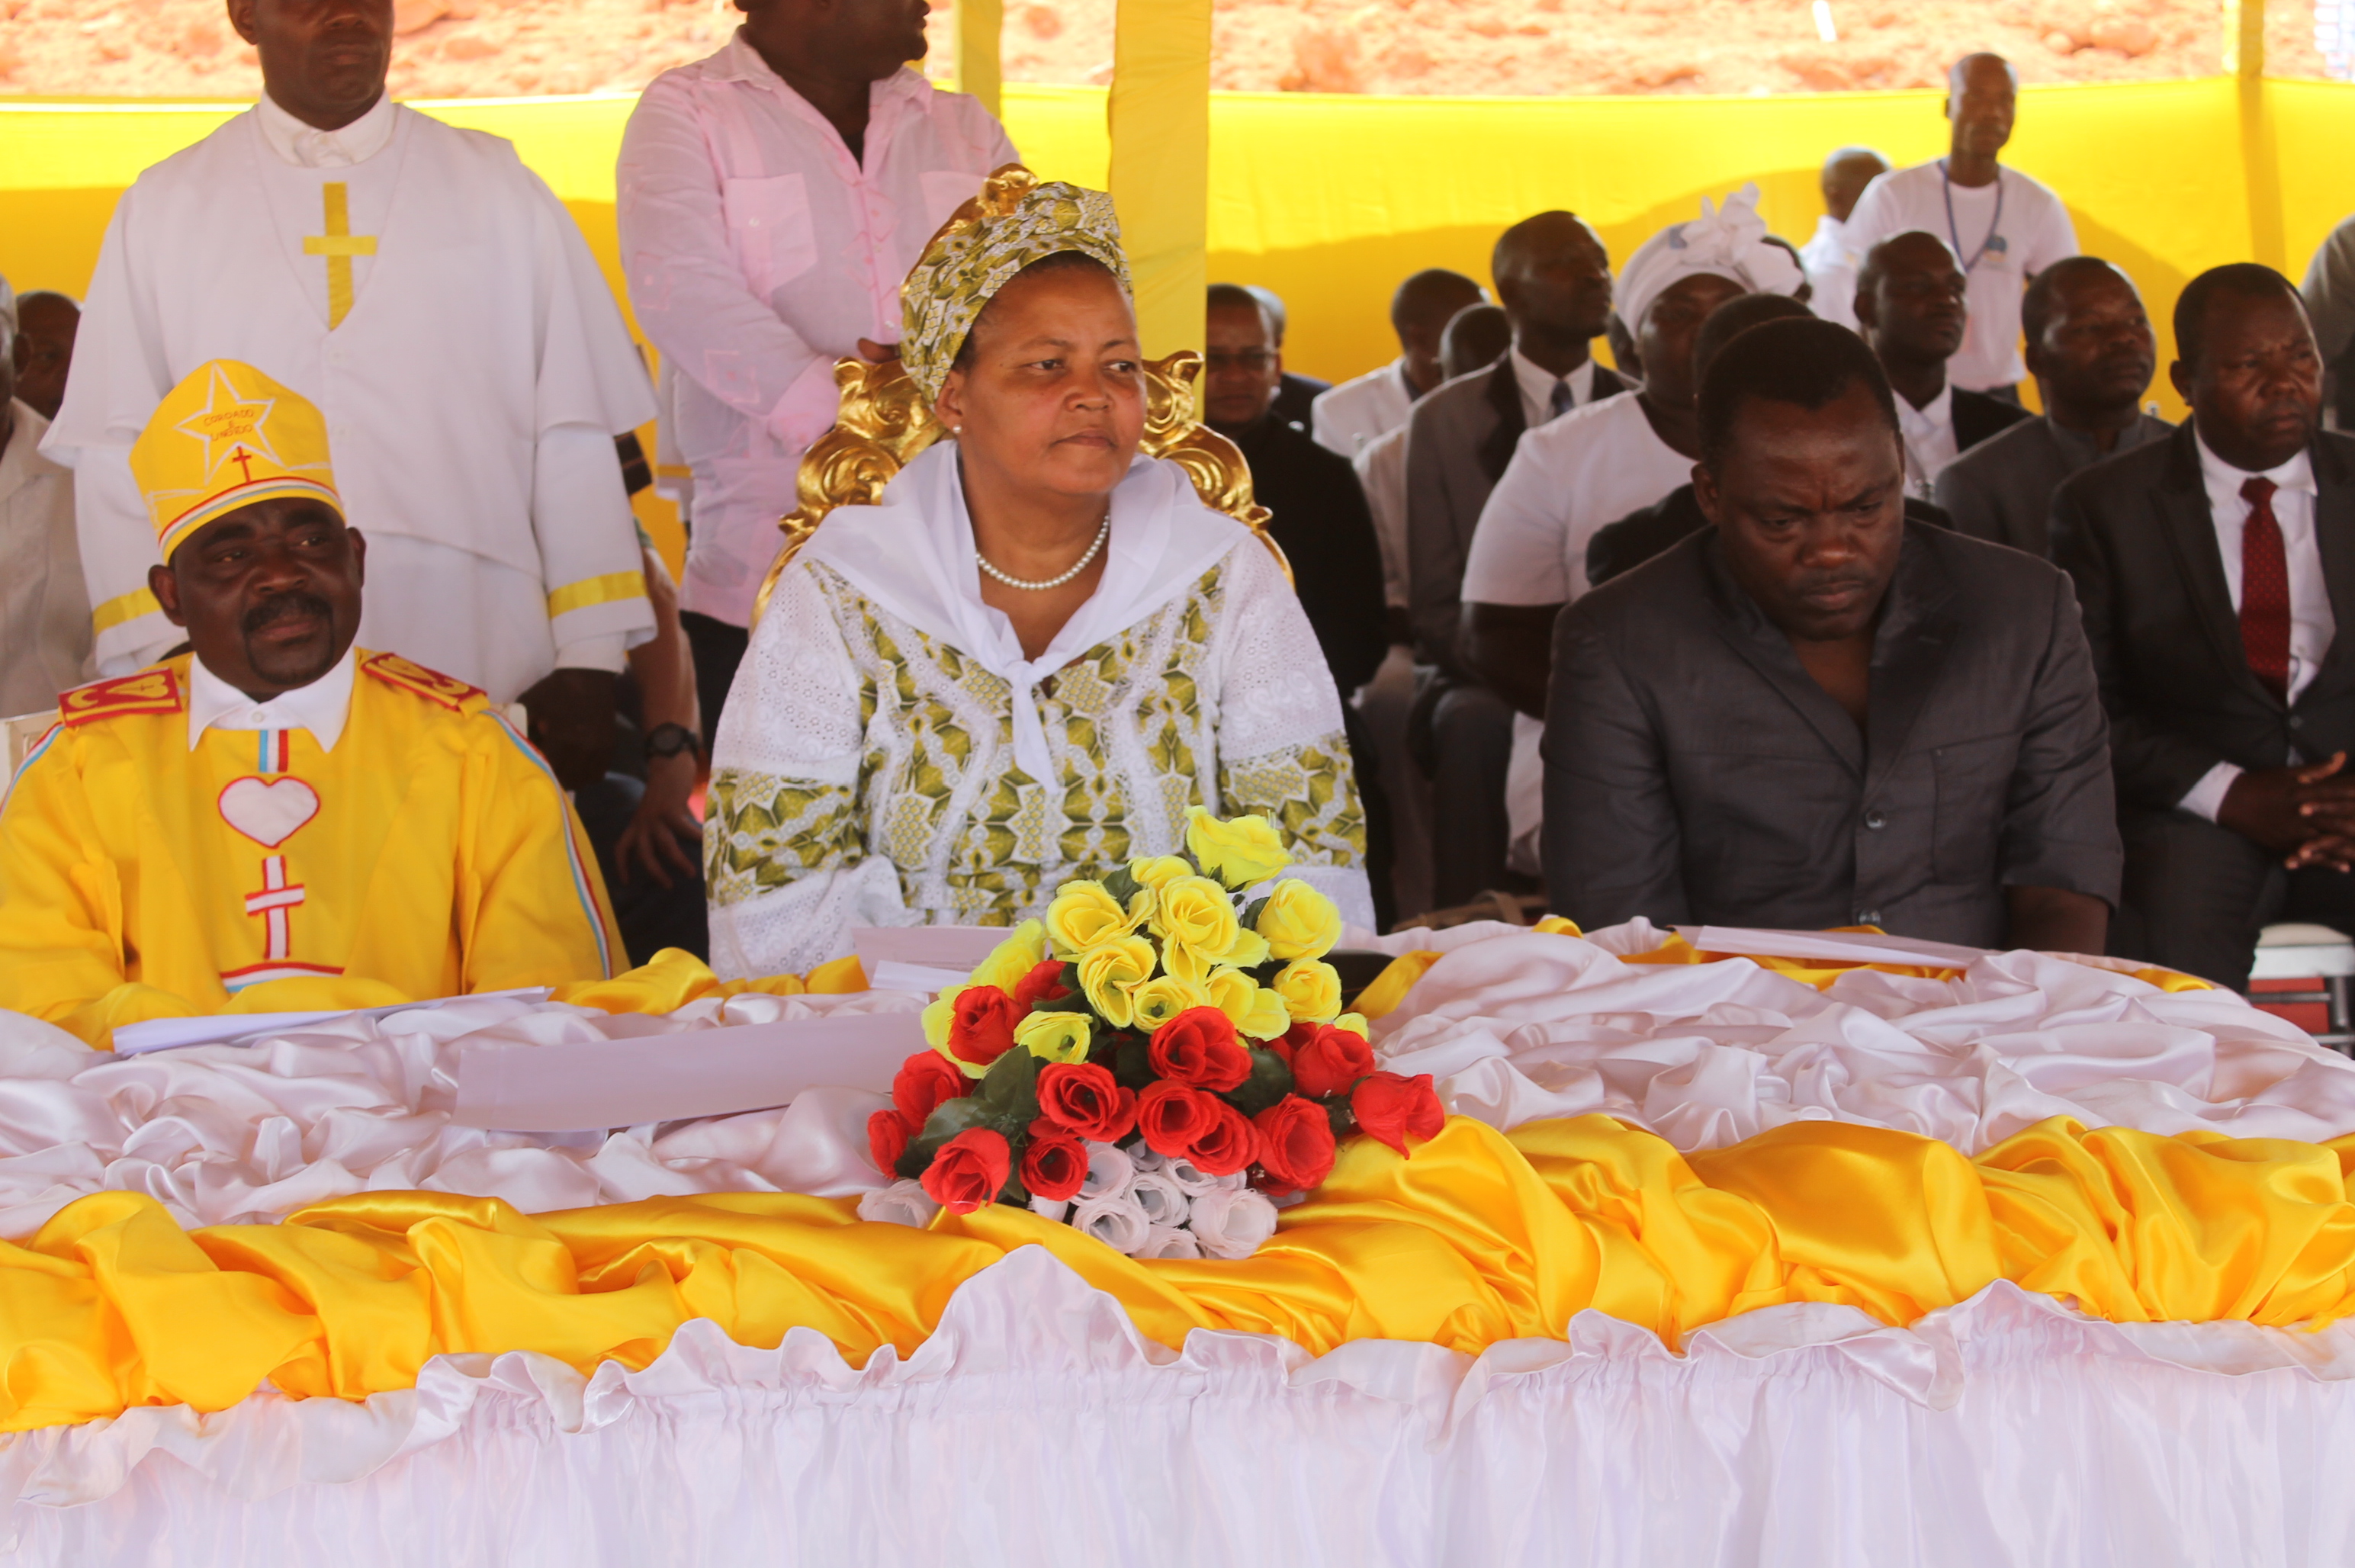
x=1599 y=462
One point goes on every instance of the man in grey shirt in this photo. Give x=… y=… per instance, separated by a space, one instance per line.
x=1816 y=713
x=2090 y=349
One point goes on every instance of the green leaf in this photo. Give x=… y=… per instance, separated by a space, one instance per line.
x=1010 y=1088
x=1133 y=1066
x=1270 y=1080
x=1338 y=1114
x=1122 y=886
x=1251 y=914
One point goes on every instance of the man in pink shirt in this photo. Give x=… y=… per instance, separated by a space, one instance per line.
x=772 y=198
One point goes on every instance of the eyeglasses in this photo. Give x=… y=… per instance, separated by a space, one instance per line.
x=1254 y=359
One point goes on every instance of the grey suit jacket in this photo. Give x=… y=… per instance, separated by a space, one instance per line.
x=2137 y=535
x=1696 y=771
x=2001 y=490
x=1459 y=439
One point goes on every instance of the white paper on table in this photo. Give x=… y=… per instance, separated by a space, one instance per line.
x=671 y=1077
x=956 y=947
x=230 y=1028
x=1839 y=947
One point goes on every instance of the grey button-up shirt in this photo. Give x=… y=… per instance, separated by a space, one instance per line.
x=2001 y=490
x=1696 y=771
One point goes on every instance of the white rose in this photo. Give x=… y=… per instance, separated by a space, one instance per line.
x=1054 y=1209
x=1109 y=1172
x=1190 y=1180
x=904 y=1202
x=1144 y=1157
x=1232 y=1222
x=1158 y=1193
x=1170 y=1242
x=1117 y=1221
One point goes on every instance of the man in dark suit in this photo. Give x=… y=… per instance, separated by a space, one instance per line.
x=2216 y=569
x=1910 y=307
x=1295 y=395
x=1319 y=517
x=1817 y=713
x=1552 y=277
x=2090 y=349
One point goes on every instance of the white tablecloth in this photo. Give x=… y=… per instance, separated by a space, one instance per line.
x=1037 y=1428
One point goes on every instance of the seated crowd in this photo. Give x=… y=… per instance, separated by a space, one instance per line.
x=1793 y=614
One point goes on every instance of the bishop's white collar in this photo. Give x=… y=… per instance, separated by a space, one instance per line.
x=308 y=147
x=322 y=708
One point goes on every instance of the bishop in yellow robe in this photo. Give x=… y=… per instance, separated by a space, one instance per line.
x=279 y=820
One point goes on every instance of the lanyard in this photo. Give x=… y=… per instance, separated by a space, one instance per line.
x=1994 y=224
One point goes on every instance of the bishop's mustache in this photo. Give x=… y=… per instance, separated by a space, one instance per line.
x=280 y=606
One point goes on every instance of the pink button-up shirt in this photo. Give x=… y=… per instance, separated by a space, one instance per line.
x=758 y=251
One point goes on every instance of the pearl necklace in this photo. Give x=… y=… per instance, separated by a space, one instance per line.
x=1104 y=532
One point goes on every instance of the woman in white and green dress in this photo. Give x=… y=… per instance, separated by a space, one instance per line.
x=1034 y=654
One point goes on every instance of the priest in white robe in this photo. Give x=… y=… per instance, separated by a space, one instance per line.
x=430 y=295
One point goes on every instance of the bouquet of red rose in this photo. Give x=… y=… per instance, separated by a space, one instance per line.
x=1151 y=1063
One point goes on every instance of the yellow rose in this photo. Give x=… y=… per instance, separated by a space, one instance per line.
x=1195 y=922
x=936 y=1021
x=1355 y=1023
x=1109 y=971
x=1164 y=997
x=1311 y=990
x=1157 y=871
x=1239 y=851
x=1267 y=1017
x=1055 y=1037
x=1298 y=922
x=1084 y=915
x=1013 y=958
x=1233 y=993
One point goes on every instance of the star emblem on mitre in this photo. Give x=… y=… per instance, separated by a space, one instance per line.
x=229 y=420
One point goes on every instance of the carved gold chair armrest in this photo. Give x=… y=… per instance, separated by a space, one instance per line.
x=884 y=422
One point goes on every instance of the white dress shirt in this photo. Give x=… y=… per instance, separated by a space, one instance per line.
x=308 y=147
x=45 y=632
x=1929 y=434
x=322 y=708
x=1346 y=419
x=1382 y=473
x=1536 y=384
x=2311 y=623
x=1832 y=273
x=758 y=252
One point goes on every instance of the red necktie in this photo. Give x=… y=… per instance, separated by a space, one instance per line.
x=2264 y=590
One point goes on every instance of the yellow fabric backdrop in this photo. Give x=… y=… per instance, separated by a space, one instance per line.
x=1479 y=1237
x=1331 y=200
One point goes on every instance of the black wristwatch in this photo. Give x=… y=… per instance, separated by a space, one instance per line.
x=670 y=740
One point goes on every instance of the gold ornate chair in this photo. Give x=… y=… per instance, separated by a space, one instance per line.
x=884 y=422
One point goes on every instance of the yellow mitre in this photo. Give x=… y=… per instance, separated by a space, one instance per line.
x=1015 y=221
x=226 y=437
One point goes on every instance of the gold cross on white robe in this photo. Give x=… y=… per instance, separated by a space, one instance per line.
x=338 y=245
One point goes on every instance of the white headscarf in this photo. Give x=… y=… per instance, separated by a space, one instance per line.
x=912 y=554
x=1727 y=241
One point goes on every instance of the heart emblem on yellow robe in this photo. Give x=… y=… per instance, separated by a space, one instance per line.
x=268 y=811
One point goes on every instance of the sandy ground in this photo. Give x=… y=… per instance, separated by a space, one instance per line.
x=454 y=48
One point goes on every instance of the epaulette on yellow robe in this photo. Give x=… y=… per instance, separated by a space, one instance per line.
x=430 y=854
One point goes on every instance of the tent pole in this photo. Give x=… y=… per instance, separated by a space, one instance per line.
x=978 y=70
x=1159 y=119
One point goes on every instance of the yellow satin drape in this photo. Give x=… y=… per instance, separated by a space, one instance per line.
x=1479 y=1237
